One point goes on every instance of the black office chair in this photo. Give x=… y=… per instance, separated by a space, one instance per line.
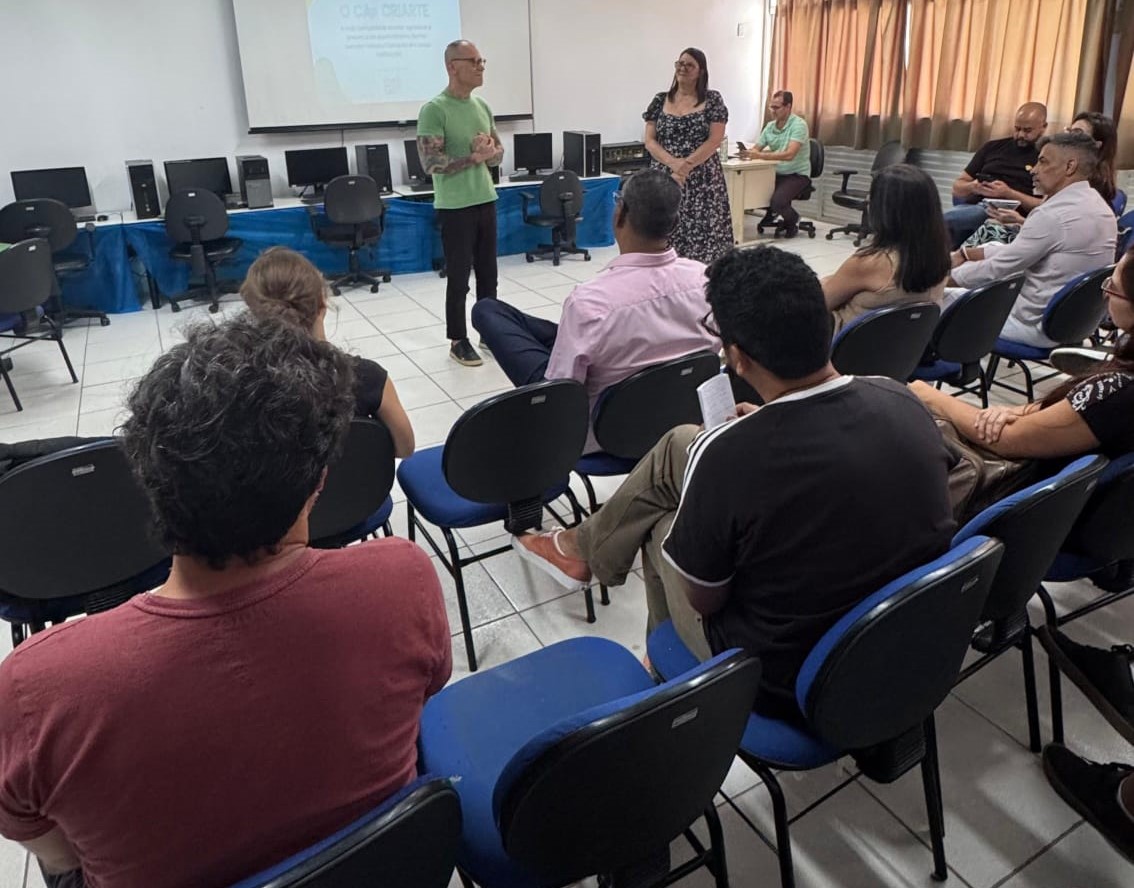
x=355 y=499
x=26 y=284
x=858 y=198
x=409 y=841
x=353 y=205
x=573 y=763
x=966 y=334
x=1033 y=525
x=818 y=156
x=885 y=342
x=76 y=537
x=197 y=221
x=560 y=209
x=50 y=219
x=504 y=460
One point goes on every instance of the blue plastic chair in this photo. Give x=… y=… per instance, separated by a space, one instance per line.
x=1033 y=524
x=1119 y=202
x=504 y=460
x=565 y=759
x=1072 y=315
x=355 y=502
x=409 y=841
x=887 y=341
x=853 y=697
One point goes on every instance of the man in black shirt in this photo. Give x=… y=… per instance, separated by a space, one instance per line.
x=763 y=532
x=1000 y=169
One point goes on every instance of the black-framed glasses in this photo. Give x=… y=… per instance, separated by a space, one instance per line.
x=680 y=65
x=708 y=327
x=477 y=62
x=1108 y=289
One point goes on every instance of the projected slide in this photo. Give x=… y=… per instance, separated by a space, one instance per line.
x=365 y=53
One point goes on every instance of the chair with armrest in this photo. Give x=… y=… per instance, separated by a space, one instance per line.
x=357 y=218
x=1032 y=524
x=355 y=500
x=560 y=209
x=566 y=758
x=197 y=222
x=859 y=198
x=631 y=416
x=870 y=687
x=52 y=220
x=506 y=459
x=76 y=537
x=26 y=284
x=966 y=334
x=409 y=841
x=818 y=155
x=886 y=341
x=1072 y=315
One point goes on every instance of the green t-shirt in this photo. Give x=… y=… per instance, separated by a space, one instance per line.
x=795 y=130
x=458 y=121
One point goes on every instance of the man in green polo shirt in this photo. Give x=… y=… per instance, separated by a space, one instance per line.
x=785 y=139
x=457 y=141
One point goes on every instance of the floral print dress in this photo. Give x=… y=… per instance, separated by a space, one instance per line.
x=704 y=226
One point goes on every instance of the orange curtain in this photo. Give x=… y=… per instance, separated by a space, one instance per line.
x=972 y=63
x=1124 y=87
x=843 y=60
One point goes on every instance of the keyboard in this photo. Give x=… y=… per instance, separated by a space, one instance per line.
x=422 y=186
x=526 y=177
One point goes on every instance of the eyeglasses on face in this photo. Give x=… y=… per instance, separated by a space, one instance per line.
x=682 y=65
x=477 y=62
x=1108 y=289
x=708 y=326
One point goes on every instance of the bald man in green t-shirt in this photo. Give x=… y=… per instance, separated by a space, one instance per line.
x=458 y=142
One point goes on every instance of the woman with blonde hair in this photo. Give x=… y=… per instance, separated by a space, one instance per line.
x=285 y=285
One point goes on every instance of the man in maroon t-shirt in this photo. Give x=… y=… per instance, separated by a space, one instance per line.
x=266 y=695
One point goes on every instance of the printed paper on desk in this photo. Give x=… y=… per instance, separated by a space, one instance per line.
x=717 y=403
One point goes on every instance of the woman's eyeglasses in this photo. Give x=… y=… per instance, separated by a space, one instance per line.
x=1108 y=289
x=681 y=66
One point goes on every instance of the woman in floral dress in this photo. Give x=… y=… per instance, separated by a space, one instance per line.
x=684 y=128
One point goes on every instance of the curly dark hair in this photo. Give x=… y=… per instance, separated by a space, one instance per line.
x=769 y=304
x=230 y=431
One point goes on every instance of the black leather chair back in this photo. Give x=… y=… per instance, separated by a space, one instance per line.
x=1105 y=529
x=42 y=217
x=561 y=197
x=631 y=416
x=411 y=844
x=884 y=668
x=886 y=342
x=195 y=215
x=889 y=154
x=353 y=200
x=1076 y=311
x=970 y=326
x=74 y=523
x=516 y=445
x=357 y=483
x=818 y=158
x=600 y=797
x=26 y=276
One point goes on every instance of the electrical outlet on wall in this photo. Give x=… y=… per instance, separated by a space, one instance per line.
x=744 y=29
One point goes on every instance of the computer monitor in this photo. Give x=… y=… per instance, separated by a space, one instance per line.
x=207 y=173
x=533 y=152
x=66 y=184
x=315 y=167
x=414 y=170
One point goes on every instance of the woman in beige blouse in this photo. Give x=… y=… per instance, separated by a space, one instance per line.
x=907 y=259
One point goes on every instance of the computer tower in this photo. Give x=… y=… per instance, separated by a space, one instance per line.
x=374 y=161
x=255 y=181
x=582 y=152
x=143 y=188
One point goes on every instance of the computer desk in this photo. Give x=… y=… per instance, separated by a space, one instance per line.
x=750 y=185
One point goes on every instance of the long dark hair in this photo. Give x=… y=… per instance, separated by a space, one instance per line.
x=1123 y=359
x=1104 y=132
x=905 y=216
x=702 y=78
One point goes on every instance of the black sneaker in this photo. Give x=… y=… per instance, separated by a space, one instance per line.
x=1104 y=676
x=464 y=354
x=1077 y=361
x=1092 y=790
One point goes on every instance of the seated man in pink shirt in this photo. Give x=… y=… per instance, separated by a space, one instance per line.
x=268 y=694
x=642 y=309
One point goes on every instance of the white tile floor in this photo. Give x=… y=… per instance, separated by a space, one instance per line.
x=1005 y=826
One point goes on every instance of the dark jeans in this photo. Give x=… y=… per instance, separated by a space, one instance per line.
x=788 y=188
x=73 y=879
x=468 y=238
x=520 y=343
x=962 y=220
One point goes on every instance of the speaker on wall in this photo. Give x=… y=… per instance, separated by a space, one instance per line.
x=374 y=161
x=143 y=188
x=582 y=152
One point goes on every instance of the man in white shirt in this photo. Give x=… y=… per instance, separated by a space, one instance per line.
x=1073 y=231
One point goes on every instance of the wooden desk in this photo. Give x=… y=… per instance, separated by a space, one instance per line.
x=750 y=186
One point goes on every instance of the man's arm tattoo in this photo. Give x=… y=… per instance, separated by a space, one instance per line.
x=499 y=155
x=435 y=160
